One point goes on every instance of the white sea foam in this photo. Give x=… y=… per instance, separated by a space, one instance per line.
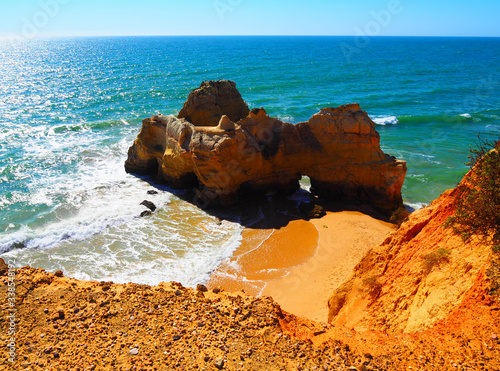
x=385 y=120
x=144 y=250
x=91 y=229
x=416 y=205
x=286 y=118
x=466 y=115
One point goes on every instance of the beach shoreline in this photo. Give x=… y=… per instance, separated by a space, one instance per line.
x=301 y=263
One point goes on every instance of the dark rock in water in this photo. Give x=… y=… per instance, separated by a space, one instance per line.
x=59 y=274
x=152 y=192
x=146 y=213
x=151 y=206
x=311 y=210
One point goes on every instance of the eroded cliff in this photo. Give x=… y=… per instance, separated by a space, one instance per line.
x=420 y=275
x=338 y=148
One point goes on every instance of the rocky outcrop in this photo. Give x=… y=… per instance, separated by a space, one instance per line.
x=311 y=210
x=206 y=105
x=418 y=276
x=338 y=148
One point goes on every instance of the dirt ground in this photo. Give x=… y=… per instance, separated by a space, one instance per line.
x=65 y=324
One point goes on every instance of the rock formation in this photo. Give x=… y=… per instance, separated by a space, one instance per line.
x=224 y=150
x=311 y=210
x=418 y=276
x=206 y=105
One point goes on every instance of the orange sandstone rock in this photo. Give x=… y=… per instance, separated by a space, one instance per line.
x=206 y=105
x=213 y=147
x=418 y=276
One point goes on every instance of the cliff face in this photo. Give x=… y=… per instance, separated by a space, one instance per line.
x=338 y=148
x=418 y=276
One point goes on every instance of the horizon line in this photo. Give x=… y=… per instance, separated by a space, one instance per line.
x=12 y=37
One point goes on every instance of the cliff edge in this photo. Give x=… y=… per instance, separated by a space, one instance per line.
x=418 y=277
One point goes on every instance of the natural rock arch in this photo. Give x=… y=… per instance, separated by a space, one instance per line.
x=227 y=151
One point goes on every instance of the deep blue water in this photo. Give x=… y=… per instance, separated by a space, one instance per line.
x=70 y=108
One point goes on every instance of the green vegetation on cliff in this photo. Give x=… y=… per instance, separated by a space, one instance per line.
x=477 y=210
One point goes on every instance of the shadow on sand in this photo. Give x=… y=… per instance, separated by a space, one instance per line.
x=266 y=212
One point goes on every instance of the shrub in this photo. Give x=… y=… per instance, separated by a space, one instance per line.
x=400 y=216
x=477 y=211
x=373 y=286
x=435 y=258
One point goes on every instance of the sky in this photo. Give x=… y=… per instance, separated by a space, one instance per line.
x=55 y=18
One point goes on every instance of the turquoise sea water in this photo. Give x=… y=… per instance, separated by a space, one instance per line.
x=70 y=108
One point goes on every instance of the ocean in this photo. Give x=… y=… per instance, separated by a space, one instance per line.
x=71 y=107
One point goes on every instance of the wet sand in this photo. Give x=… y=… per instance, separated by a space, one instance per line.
x=300 y=264
x=266 y=255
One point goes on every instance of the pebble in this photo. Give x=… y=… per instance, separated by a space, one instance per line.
x=201 y=288
x=219 y=363
x=134 y=351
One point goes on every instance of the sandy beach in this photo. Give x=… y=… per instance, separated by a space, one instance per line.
x=300 y=264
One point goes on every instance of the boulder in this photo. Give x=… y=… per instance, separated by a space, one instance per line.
x=206 y=105
x=311 y=210
x=151 y=206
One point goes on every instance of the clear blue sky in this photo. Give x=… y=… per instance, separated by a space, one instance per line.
x=43 y=18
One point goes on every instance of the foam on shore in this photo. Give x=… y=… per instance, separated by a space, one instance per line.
x=265 y=255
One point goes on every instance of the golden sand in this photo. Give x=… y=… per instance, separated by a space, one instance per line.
x=266 y=255
x=300 y=265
